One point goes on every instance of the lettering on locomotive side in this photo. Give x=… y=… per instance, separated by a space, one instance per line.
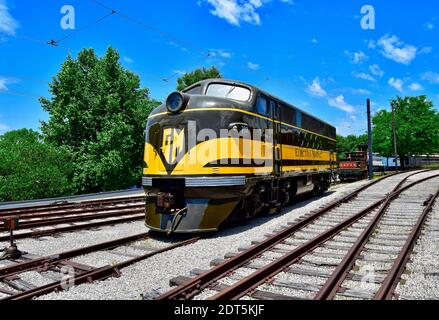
x=308 y=153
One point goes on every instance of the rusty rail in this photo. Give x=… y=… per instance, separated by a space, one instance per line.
x=194 y=286
x=76 y=211
x=93 y=275
x=42 y=233
x=330 y=288
x=69 y=205
x=390 y=283
x=37 y=223
x=56 y=258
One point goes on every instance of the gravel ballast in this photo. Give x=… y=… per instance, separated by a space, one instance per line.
x=153 y=274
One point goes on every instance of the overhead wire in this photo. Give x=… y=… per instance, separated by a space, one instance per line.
x=206 y=54
x=43 y=42
x=20 y=94
x=91 y=24
x=184 y=43
x=14 y=77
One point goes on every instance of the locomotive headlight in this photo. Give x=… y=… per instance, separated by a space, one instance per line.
x=176 y=102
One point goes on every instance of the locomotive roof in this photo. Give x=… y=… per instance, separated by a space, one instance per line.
x=255 y=90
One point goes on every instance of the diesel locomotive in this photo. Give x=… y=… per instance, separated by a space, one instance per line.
x=222 y=151
x=355 y=165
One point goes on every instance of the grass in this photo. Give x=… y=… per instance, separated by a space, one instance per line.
x=431 y=166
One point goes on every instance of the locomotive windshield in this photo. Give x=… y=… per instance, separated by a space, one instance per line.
x=228 y=91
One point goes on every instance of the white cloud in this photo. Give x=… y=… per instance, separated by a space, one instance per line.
x=253 y=66
x=364 y=76
x=219 y=53
x=236 y=11
x=396 y=50
x=372 y=44
x=3 y=127
x=397 y=84
x=416 y=87
x=429 y=26
x=128 y=59
x=356 y=57
x=3 y=86
x=179 y=72
x=361 y=91
x=172 y=43
x=430 y=76
x=4 y=81
x=8 y=25
x=314 y=40
x=376 y=70
x=340 y=103
x=425 y=50
x=316 y=89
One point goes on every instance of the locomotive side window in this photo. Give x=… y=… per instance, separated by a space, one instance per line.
x=288 y=115
x=195 y=90
x=299 y=119
x=262 y=105
x=228 y=91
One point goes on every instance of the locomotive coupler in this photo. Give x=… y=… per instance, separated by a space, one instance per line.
x=165 y=200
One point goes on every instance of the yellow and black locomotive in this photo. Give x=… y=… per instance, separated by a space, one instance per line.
x=221 y=151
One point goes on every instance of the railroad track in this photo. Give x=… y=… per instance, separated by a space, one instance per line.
x=12 y=287
x=354 y=248
x=39 y=221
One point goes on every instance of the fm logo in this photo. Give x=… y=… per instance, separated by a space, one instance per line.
x=173 y=145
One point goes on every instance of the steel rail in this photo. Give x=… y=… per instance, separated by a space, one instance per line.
x=195 y=285
x=56 y=258
x=93 y=275
x=386 y=290
x=74 y=211
x=60 y=206
x=330 y=288
x=41 y=233
x=38 y=223
x=251 y=282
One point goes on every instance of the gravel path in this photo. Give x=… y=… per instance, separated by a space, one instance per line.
x=153 y=274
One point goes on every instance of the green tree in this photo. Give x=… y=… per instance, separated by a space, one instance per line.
x=417 y=127
x=32 y=169
x=98 y=112
x=349 y=144
x=189 y=79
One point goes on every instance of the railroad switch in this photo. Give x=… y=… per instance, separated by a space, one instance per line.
x=10 y=224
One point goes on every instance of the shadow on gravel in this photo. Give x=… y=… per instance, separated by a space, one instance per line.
x=241 y=226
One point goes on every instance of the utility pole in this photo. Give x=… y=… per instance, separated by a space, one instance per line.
x=394 y=135
x=369 y=133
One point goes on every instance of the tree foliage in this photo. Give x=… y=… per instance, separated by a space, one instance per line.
x=190 y=78
x=32 y=169
x=417 y=128
x=98 y=112
x=349 y=144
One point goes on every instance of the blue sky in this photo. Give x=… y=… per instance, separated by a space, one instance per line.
x=312 y=53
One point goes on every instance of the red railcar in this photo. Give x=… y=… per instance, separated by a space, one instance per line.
x=355 y=166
